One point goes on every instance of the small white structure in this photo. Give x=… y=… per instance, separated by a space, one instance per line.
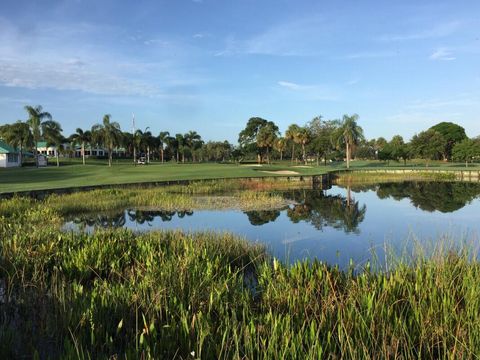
x=9 y=156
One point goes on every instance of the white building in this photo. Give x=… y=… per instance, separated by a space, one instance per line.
x=9 y=157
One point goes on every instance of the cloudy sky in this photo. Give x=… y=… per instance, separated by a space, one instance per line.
x=210 y=65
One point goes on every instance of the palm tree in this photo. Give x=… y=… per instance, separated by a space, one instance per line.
x=109 y=134
x=193 y=141
x=266 y=138
x=349 y=134
x=162 y=141
x=180 y=146
x=36 y=115
x=17 y=135
x=280 y=145
x=82 y=137
x=302 y=137
x=144 y=139
x=52 y=134
x=290 y=135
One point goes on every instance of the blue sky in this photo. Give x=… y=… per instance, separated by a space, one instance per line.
x=210 y=65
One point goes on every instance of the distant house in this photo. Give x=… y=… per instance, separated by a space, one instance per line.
x=9 y=156
x=46 y=150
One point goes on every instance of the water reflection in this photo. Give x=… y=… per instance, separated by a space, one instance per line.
x=445 y=197
x=321 y=209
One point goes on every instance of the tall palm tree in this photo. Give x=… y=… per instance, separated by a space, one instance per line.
x=280 y=145
x=17 y=135
x=193 y=141
x=349 y=134
x=180 y=146
x=52 y=134
x=302 y=137
x=162 y=141
x=266 y=138
x=290 y=135
x=109 y=134
x=82 y=137
x=36 y=115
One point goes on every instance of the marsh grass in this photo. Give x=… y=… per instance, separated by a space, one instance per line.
x=116 y=293
x=343 y=178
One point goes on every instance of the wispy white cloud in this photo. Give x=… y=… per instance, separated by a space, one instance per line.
x=442 y=54
x=293 y=38
x=71 y=58
x=316 y=92
x=438 y=31
x=370 y=55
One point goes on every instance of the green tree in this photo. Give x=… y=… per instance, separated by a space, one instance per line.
x=193 y=142
x=109 y=134
x=280 y=145
x=52 y=134
x=266 y=137
x=162 y=142
x=18 y=135
x=466 y=150
x=290 y=135
x=36 y=116
x=428 y=145
x=82 y=138
x=322 y=132
x=452 y=133
x=302 y=138
x=348 y=135
x=248 y=136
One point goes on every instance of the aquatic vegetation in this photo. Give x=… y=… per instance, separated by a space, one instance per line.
x=169 y=294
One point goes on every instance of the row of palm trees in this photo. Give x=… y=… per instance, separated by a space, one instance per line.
x=326 y=136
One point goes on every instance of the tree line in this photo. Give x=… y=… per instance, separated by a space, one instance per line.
x=260 y=140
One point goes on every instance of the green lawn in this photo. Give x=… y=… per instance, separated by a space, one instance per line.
x=96 y=172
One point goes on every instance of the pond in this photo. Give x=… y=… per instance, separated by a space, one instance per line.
x=335 y=225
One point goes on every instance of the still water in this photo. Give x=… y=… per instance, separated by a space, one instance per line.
x=336 y=225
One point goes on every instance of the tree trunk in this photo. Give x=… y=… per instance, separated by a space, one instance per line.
x=83 y=152
x=259 y=159
x=268 y=156
x=348 y=155
x=134 y=155
x=281 y=155
x=161 y=153
x=110 y=156
x=148 y=154
x=36 y=155
x=58 y=160
x=293 y=151
x=178 y=156
x=303 y=154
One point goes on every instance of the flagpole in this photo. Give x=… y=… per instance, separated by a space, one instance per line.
x=133 y=137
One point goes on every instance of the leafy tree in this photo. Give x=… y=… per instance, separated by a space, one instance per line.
x=466 y=150
x=266 y=137
x=322 y=135
x=248 y=136
x=36 y=116
x=452 y=133
x=290 y=135
x=18 y=135
x=428 y=144
x=180 y=146
x=109 y=134
x=81 y=137
x=348 y=134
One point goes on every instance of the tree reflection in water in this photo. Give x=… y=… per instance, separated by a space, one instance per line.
x=322 y=210
x=432 y=196
x=262 y=217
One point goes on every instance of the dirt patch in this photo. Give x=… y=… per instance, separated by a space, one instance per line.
x=282 y=172
x=303 y=166
x=255 y=165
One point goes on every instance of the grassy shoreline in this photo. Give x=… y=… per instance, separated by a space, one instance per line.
x=170 y=294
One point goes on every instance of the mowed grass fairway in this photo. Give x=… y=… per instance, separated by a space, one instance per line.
x=96 y=172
